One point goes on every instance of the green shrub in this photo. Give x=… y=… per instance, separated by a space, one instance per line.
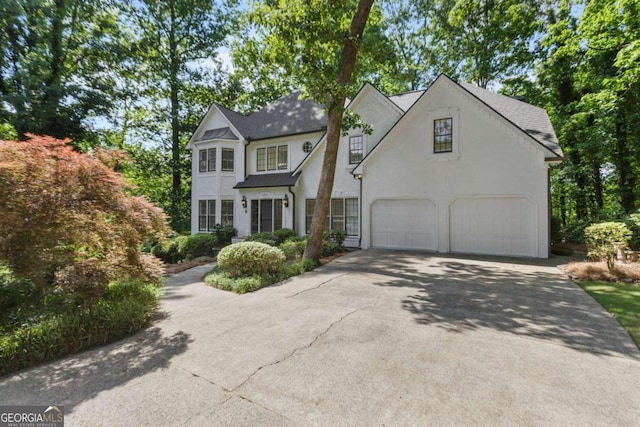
x=125 y=308
x=247 y=259
x=335 y=236
x=224 y=234
x=633 y=223
x=283 y=235
x=241 y=285
x=574 y=233
x=181 y=248
x=201 y=244
x=293 y=249
x=603 y=240
x=265 y=237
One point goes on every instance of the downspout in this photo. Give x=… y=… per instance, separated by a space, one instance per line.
x=549 y=211
x=293 y=208
x=360 y=219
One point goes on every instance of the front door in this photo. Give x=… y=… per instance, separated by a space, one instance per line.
x=266 y=215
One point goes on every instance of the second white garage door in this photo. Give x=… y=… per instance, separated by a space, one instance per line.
x=404 y=224
x=494 y=226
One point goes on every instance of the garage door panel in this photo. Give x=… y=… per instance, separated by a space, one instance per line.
x=404 y=224
x=494 y=226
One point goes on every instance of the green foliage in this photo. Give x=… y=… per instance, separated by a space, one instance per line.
x=240 y=285
x=246 y=259
x=275 y=238
x=67 y=220
x=633 y=223
x=265 y=237
x=335 y=236
x=54 y=329
x=283 y=234
x=604 y=239
x=181 y=248
x=293 y=249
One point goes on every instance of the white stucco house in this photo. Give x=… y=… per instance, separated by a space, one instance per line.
x=454 y=168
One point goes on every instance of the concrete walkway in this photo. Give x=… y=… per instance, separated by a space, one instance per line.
x=374 y=338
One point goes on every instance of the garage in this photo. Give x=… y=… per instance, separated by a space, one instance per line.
x=494 y=226
x=404 y=224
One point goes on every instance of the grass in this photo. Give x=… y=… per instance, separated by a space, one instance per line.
x=622 y=300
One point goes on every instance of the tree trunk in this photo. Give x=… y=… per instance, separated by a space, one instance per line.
x=176 y=172
x=313 y=249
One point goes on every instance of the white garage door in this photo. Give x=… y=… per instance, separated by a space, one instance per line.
x=494 y=226
x=404 y=224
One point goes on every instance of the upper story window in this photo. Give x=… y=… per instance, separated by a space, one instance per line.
x=207 y=160
x=272 y=158
x=443 y=135
x=227 y=160
x=307 y=147
x=356 y=146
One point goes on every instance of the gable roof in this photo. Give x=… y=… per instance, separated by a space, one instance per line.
x=364 y=89
x=288 y=115
x=533 y=120
x=530 y=119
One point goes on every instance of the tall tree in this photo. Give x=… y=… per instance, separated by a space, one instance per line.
x=315 y=43
x=175 y=42
x=54 y=56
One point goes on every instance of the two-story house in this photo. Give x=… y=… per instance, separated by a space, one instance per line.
x=453 y=168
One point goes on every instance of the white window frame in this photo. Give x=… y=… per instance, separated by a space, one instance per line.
x=208 y=214
x=222 y=159
x=204 y=159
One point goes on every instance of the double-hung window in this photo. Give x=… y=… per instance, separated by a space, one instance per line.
x=206 y=215
x=343 y=215
x=356 y=148
x=226 y=213
x=272 y=158
x=207 y=160
x=227 y=160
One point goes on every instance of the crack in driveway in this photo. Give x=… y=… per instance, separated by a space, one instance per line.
x=316 y=287
x=295 y=350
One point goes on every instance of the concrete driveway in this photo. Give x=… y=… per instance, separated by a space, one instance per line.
x=374 y=338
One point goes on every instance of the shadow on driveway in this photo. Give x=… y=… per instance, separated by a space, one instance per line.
x=529 y=298
x=74 y=380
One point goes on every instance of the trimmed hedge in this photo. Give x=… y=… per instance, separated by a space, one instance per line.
x=246 y=259
x=602 y=240
x=219 y=279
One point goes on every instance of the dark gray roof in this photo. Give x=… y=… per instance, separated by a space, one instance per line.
x=288 y=115
x=220 y=133
x=268 y=180
x=531 y=119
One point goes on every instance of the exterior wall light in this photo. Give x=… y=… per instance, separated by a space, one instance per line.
x=286 y=201
x=243 y=202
